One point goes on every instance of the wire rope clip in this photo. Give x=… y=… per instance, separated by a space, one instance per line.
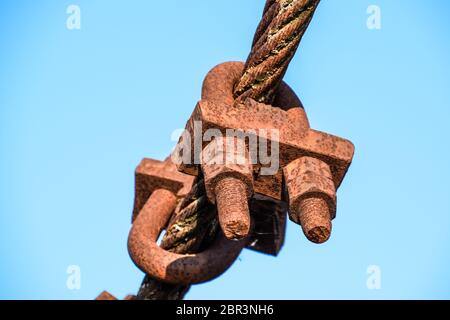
x=311 y=165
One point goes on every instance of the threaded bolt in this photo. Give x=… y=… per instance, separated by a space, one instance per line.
x=232 y=207
x=315 y=219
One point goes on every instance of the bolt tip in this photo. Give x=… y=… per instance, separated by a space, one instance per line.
x=319 y=235
x=232 y=207
x=315 y=220
x=236 y=230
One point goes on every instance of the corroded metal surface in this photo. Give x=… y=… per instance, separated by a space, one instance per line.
x=171 y=267
x=307 y=177
x=161 y=185
x=296 y=139
x=151 y=175
x=311 y=196
x=314 y=163
x=276 y=40
x=218 y=110
x=232 y=207
x=191 y=229
x=228 y=175
x=314 y=217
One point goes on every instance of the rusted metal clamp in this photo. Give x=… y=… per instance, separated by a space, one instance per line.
x=158 y=186
x=312 y=164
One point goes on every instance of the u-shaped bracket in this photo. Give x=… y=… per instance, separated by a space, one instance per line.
x=171 y=267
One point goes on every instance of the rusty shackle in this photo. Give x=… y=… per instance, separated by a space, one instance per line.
x=158 y=187
x=171 y=267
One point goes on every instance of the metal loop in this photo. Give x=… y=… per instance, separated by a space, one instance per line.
x=171 y=267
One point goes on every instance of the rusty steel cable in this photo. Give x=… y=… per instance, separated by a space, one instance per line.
x=195 y=223
x=275 y=43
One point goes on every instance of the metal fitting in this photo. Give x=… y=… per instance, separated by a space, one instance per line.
x=296 y=139
x=151 y=175
x=171 y=267
x=311 y=196
x=158 y=187
x=228 y=171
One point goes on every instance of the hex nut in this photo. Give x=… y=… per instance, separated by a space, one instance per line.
x=226 y=157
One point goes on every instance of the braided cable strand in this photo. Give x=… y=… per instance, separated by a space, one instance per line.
x=275 y=43
x=276 y=40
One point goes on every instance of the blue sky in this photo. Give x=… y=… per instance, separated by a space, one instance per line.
x=79 y=109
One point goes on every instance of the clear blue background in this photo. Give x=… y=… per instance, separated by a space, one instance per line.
x=79 y=109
